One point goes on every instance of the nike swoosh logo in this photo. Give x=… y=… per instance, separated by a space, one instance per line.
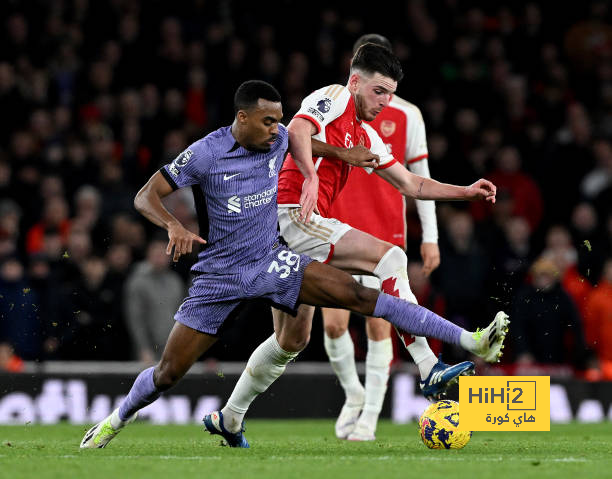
x=226 y=177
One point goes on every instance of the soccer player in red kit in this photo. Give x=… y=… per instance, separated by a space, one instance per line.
x=372 y=205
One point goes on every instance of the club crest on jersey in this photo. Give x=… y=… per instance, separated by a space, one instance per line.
x=180 y=161
x=324 y=105
x=272 y=166
x=387 y=127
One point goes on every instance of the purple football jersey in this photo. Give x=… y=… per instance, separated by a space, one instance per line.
x=235 y=195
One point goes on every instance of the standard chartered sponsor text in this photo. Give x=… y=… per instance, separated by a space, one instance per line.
x=258 y=199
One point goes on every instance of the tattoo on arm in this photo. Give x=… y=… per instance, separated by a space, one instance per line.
x=420 y=188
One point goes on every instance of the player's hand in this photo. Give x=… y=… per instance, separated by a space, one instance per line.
x=181 y=240
x=481 y=190
x=309 y=198
x=430 y=253
x=360 y=156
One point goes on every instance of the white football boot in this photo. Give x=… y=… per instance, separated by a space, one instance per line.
x=347 y=420
x=490 y=341
x=362 y=432
x=102 y=433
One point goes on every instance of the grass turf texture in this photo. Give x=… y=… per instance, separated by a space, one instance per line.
x=304 y=449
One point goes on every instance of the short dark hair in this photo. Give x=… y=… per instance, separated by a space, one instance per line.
x=371 y=58
x=251 y=91
x=374 y=38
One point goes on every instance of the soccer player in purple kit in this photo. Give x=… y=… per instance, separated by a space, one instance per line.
x=234 y=176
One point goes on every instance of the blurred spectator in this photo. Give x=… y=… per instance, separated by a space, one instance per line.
x=511 y=261
x=571 y=157
x=546 y=327
x=588 y=241
x=9 y=361
x=19 y=317
x=560 y=250
x=461 y=276
x=87 y=331
x=86 y=208
x=600 y=177
x=153 y=293
x=55 y=218
x=10 y=215
x=598 y=320
x=525 y=194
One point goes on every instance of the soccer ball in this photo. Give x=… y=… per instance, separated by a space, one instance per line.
x=438 y=426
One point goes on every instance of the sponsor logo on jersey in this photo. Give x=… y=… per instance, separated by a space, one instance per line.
x=314 y=112
x=180 y=161
x=233 y=205
x=228 y=177
x=271 y=165
x=259 y=199
x=387 y=127
x=324 y=105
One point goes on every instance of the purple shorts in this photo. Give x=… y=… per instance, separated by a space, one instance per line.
x=213 y=297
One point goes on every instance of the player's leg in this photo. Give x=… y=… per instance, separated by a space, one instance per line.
x=323 y=285
x=361 y=251
x=341 y=353
x=184 y=346
x=377 y=364
x=268 y=362
x=329 y=240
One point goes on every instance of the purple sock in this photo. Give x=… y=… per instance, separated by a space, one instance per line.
x=415 y=319
x=143 y=393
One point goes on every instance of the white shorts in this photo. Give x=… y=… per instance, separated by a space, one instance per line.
x=315 y=239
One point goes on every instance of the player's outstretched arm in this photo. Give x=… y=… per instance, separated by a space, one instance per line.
x=148 y=203
x=415 y=186
x=357 y=156
x=300 y=133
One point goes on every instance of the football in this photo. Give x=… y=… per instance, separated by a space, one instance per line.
x=438 y=426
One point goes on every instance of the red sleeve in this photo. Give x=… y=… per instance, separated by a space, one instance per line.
x=386 y=165
x=309 y=118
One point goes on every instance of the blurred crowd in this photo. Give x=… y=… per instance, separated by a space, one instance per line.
x=96 y=96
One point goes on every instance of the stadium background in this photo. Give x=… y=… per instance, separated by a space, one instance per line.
x=96 y=96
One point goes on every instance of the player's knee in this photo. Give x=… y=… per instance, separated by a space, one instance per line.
x=395 y=258
x=166 y=375
x=378 y=329
x=294 y=343
x=334 y=329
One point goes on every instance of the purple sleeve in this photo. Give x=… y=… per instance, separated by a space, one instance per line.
x=188 y=168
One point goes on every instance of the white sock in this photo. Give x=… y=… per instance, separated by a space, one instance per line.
x=378 y=361
x=265 y=365
x=341 y=353
x=393 y=274
x=115 y=420
x=467 y=342
x=422 y=355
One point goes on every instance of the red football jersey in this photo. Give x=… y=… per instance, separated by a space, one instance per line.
x=332 y=110
x=401 y=127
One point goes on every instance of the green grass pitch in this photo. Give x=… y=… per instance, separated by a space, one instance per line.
x=303 y=449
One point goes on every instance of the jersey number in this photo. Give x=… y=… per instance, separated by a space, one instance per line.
x=289 y=259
